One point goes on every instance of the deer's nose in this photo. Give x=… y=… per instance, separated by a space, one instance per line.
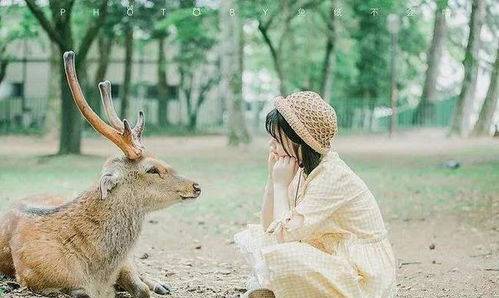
x=197 y=188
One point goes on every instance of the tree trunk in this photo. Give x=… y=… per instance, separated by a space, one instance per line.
x=3 y=64
x=424 y=109
x=393 y=85
x=52 y=119
x=470 y=63
x=3 y=61
x=193 y=120
x=232 y=71
x=59 y=31
x=3 y=69
x=70 y=136
x=128 y=71
x=486 y=116
x=162 y=85
x=105 y=44
x=275 y=59
x=329 y=58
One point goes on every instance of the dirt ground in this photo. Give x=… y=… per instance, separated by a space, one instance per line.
x=448 y=254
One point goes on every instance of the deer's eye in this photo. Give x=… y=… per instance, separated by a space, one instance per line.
x=153 y=170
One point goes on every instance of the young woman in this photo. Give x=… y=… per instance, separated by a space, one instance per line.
x=321 y=231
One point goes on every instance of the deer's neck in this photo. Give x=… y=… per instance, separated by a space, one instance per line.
x=116 y=221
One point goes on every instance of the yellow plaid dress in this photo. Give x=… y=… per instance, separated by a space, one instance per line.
x=341 y=250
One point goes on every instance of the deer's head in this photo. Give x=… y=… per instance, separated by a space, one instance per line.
x=138 y=176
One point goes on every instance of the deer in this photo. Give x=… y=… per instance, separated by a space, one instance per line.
x=84 y=246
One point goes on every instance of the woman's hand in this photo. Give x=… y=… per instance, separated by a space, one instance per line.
x=284 y=171
x=273 y=157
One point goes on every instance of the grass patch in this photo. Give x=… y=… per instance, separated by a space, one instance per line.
x=233 y=181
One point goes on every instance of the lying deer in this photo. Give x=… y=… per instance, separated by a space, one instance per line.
x=83 y=247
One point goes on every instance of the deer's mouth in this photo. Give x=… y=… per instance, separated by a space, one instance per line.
x=192 y=195
x=189 y=197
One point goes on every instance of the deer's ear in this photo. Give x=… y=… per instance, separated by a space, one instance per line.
x=107 y=183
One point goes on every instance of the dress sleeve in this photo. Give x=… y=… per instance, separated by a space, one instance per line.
x=323 y=195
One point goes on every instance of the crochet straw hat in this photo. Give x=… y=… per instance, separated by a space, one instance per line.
x=313 y=120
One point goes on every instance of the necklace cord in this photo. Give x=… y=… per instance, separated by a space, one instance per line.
x=298 y=187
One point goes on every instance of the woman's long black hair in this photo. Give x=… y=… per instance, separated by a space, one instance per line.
x=275 y=123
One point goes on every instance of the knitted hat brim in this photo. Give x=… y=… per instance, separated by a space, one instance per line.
x=281 y=105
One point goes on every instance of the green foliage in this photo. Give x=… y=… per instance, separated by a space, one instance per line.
x=195 y=35
x=362 y=46
x=373 y=41
x=16 y=23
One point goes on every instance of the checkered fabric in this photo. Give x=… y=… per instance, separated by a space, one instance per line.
x=341 y=250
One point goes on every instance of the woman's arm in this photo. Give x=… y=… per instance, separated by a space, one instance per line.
x=268 y=196
x=268 y=204
x=284 y=171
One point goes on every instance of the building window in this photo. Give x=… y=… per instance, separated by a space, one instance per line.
x=115 y=90
x=17 y=89
x=172 y=91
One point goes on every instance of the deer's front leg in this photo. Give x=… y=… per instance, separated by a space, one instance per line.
x=139 y=286
x=155 y=286
x=129 y=279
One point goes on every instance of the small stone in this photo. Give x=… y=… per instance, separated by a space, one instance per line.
x=153 y=221
x=433 y=262
x=169 y=273
x=144 y=256
x=198 y=246
x=432 y=246
x=451 y=164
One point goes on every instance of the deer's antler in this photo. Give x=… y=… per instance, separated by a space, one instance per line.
x=120 y=133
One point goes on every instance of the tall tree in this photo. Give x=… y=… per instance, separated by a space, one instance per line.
x=162 y=84
x=60 y=31
x=153 y=21
x=105 y=41
x=470 y=63
x=329 y=63
x=198 y=65
x=231 y=60
x=195 y=87
x=4 y=61
x=486 y=116
x=53 y=117
x=434 y=55
x=373 y=64
x=105 y=46
x=288 y=9
x=128 y=32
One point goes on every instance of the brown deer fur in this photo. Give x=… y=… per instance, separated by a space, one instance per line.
x=84 y=246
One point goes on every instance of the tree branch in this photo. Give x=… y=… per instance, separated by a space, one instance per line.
x=92 y=32
x=204 y=89
x=3 y=61
x=44 y=22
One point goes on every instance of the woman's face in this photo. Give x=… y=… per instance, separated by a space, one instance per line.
x=283 y=149
x=277 y=148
